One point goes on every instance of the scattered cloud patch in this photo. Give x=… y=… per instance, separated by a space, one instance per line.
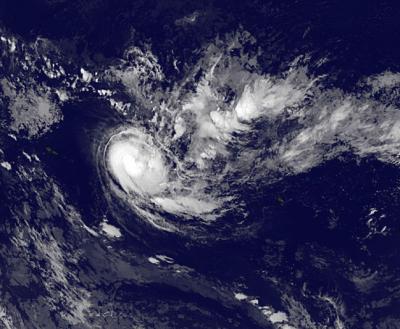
x=110 y=230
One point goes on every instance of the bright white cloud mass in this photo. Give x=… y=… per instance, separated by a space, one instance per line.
x=232 y=105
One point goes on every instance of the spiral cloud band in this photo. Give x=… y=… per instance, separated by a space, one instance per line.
x=203 y=146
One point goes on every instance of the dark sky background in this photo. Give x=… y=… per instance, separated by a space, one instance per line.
x=359 y=37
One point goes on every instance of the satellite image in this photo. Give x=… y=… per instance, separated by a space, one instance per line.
x=179 y=164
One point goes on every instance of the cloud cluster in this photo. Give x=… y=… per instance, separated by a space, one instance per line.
x=227 y=125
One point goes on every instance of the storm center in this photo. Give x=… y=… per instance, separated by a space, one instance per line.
x=136 y=163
